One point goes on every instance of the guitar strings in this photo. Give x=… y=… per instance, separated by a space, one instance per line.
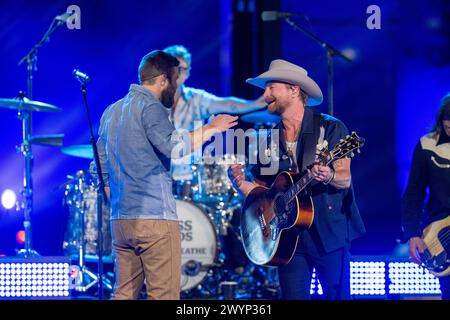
x=442 y=241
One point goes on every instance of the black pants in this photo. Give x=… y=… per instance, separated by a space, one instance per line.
x=332 y=270
x=445 y=287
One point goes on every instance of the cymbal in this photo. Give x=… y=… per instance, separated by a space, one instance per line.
x=28 y=105
x=260 y=117
x=80 y=151
x=52 y=140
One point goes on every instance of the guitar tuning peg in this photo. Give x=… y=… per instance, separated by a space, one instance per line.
x=352 y=154
x=341 y=140
x=358 y=150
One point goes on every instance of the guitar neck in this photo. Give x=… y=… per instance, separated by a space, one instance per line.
x=299 y=186
x=342 y=149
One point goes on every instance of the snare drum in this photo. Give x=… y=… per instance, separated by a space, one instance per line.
x=199 y=243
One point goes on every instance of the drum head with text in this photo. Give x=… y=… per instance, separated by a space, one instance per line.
x=198 y=243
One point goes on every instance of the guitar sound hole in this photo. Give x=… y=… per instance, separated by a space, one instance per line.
x=282 y=211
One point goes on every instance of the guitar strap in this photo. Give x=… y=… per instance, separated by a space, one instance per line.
x=309 y=142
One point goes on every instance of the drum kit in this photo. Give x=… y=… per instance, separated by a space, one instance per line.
x=25 y=107
x=208 y=209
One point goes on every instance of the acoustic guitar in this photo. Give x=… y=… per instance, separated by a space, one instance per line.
x=272 y=218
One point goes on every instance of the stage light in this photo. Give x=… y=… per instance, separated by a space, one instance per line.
x=20 y=237
x=367 y=278
x=316 y=287
x=350 y=53
x=410 y=278
x=19 y=278
x=8 y=199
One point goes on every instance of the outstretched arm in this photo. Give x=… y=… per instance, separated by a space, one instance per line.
x=235 y=105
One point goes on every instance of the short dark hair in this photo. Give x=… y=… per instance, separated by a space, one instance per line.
x=154 y=64
x=443 y=114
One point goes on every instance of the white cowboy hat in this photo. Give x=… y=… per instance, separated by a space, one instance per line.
x=284 y=71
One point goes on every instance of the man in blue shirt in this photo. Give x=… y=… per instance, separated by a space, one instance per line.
x=325 y=245
x=135 y=145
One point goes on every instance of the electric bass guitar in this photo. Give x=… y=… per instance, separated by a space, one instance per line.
x=436 y=256
x=272 y=218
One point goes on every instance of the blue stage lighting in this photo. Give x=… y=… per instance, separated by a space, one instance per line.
x=384 y=276
x=410 y=278
x=35 y=278
x=367 y=278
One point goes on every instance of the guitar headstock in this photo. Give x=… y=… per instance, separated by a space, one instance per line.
x=346 y=146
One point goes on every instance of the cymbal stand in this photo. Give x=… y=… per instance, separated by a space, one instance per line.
x=27 y=203
x=25 y=148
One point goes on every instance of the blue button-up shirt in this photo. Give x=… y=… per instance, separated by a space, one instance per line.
x=135 y=143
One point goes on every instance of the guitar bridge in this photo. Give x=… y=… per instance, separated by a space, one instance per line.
x=263 y=223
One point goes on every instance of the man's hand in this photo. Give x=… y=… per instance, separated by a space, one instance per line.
x=321 y=173
x=217 y=124
x=222 y=122
x=416 y=245
x=236 y=175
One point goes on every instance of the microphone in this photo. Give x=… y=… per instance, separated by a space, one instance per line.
x=275 y=15
x=81 y=76
x=65 y=16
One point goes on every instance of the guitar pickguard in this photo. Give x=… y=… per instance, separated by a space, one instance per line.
x=436 y=256
x=284 y=212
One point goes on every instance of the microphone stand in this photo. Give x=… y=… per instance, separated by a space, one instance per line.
x=101 y=195
x=26 y=116
x=331 y=52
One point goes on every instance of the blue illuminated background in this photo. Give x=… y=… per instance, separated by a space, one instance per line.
x=389 y=94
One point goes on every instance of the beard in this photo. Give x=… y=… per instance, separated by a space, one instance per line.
x=276 y=108
x=168 y=96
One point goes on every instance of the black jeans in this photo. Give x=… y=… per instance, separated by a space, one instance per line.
x=445 y=287
x=332 y=270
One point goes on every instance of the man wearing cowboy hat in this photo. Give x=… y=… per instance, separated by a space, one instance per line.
x=325 y=245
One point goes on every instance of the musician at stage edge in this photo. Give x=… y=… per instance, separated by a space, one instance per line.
x=426 y=200
x=325 y=227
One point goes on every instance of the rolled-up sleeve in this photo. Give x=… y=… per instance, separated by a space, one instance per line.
x=336 y=130
x=162 y=134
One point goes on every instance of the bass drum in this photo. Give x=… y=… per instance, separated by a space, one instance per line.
x=199 y=243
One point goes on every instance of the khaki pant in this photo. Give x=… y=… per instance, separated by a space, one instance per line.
x=150 y=251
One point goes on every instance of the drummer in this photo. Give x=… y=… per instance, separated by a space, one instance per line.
x=192 y=106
